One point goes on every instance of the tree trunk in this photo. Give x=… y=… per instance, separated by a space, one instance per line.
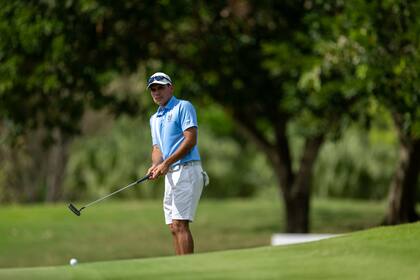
x=297 y=195
x=56 y=167
x=297 y=212
x=402 y=194
x=294 y=188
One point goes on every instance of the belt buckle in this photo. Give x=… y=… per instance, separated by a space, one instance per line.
x=177 y=167
x=174 y=168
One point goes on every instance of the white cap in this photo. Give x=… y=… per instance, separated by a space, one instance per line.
x=159 y=78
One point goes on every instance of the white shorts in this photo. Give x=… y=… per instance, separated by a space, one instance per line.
x=183 y=186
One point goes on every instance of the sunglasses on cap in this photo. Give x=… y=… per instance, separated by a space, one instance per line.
x=158 y=79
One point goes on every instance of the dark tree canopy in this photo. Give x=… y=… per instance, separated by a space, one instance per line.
x=268 y=63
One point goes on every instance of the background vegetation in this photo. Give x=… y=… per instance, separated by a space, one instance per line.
x=308 y=97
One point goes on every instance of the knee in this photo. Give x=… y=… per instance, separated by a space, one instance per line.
x=172 y=229
x=178 y=227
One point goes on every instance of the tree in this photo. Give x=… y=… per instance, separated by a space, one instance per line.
x=268 y=63
x=59 y=57
x=375 y=44
x=247 y=57
x=396 y=63
x=388 y=33
x=54 y=64
x=258 y=62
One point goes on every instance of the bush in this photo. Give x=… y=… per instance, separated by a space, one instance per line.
x=359 y=165
x=101 y=163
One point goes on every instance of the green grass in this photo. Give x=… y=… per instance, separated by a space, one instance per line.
x=45 y=235
x=381 y=253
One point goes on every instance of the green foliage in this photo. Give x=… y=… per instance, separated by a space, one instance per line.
x=235 y=169
x=369 y=43
x=359 y=164
x=316 y=63
x=56 y=58
x=109 y=160
x=120 y=153
x=356 y=166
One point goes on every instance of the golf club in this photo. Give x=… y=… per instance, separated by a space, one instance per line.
x=77 y=211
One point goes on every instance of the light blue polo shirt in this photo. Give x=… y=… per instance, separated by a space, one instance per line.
x=167 y=127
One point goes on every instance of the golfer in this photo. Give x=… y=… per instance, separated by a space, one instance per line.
x=175 y=155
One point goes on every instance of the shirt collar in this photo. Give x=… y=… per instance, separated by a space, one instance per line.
x=171 y=103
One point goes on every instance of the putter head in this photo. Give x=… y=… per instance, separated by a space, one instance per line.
x=74 y=209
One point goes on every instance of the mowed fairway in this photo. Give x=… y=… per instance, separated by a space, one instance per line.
x=381 y=253
x=45 y=235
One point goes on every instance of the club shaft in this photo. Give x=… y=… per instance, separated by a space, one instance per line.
x=117 y=191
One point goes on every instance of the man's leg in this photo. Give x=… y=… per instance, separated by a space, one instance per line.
x=183 y=205
x=183 y=240
x=175 y=239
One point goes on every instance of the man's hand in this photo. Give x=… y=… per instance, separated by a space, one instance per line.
x=158 y=170
x=150 y=171
x=156 y=161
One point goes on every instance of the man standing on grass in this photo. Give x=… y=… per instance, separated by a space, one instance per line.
x=175 y=155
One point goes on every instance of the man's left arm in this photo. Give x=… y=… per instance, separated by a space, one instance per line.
x=190 y=140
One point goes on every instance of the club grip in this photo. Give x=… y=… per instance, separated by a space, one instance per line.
x=143 y=179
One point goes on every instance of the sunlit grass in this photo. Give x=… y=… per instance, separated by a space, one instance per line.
x=41 y=235
x=381 y=253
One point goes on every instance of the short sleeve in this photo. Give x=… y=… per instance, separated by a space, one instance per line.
x=153 y=131
x=188 y=116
